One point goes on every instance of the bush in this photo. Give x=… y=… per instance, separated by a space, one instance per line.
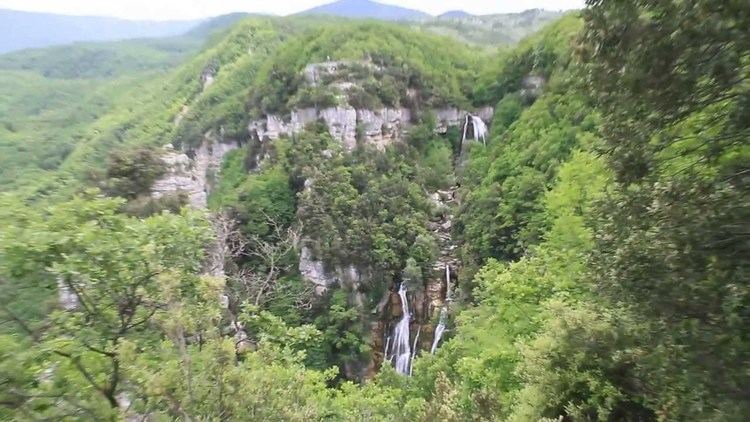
x=132 y=172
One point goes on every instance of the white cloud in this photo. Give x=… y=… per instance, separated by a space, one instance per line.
x=193 y=9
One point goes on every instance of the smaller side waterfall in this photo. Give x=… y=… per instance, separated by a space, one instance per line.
x=439 y=330
x=447 y=282
x=414 y=350
x=400 y=347
x=480 y=129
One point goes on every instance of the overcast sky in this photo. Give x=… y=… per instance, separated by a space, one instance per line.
x=193 y=9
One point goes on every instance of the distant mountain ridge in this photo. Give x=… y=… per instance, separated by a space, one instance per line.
x=367 y=9
x=25 y=30
x=33 y=30
x=491 y=30
x=455 y=14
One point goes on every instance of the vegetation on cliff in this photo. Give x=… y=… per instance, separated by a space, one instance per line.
x=602 y=230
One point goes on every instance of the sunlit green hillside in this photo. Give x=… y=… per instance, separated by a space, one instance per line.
x=326 y=219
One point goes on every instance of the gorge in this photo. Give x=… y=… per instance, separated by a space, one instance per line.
x=311 y=218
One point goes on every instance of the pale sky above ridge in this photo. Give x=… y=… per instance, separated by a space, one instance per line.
x=196 y=9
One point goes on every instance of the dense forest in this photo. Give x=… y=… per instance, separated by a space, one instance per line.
x=312 y=218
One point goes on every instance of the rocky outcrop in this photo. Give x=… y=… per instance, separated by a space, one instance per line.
x=313 y=271
x=383 y=127
x=447 y=117
x=315 y=73
x=532 y=86
x=486 y=113
x=379 y=128
x=208 y=76
x=342 y=125
x=195 y=176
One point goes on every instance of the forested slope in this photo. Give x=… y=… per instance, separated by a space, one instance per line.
x=332 y=235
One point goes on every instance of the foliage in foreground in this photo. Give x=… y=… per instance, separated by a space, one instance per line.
x=605 y=221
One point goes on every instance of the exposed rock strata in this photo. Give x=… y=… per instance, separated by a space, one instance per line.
x=380 y=127
x=193 y=177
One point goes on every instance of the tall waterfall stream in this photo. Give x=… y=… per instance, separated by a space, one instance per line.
x=400 y=349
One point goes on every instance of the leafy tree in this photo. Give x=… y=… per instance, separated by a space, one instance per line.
x=131 y=173
x=121 y=272
x=667 y=239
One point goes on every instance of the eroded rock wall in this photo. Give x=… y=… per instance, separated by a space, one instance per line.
x=195 y=176
x=379 y=128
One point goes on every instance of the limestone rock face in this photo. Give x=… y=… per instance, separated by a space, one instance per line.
x=314 y=71
x=303 y=117
x=270 y=128
x=207 y=80
x=192 y=176
x=380 y=127
x=385 y=126
x=447 y=117
x=313 y=271
x=276 y=127
x=532 y=86
x=342 y=124
x=486 y=113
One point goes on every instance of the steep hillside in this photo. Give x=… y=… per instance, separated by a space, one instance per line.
x=53 y=97
x=112 y=59
x=316 y=218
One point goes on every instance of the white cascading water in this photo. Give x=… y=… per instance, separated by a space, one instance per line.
x=400 y=347
x=414 y=350
x=447 y=282
x=439 y=330
x=480 y=129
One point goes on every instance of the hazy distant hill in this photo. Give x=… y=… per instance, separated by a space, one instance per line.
x=455 y=14
x=367 y=9
x=106 y=59
x=30 y=30
x=496 y=29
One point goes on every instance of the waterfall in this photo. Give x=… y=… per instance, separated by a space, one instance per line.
x=400 y=347
x=439 y=330
x=414 y=350
x=480 y=129
x=466 y=127
x=447 y=282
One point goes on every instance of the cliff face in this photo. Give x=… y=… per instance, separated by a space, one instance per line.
x=195 y=177
x=378 y=125
x=194 y=173
x=425 y=304
x=192 y=176
x=380 y=128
